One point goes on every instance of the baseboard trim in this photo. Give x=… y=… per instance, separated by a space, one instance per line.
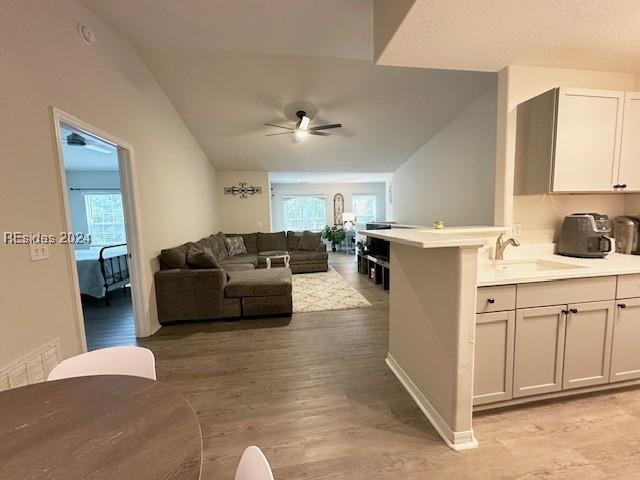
x=464 y=440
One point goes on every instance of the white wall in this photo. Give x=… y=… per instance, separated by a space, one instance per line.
x=540 y=215
x=44 y=63
x=280 y=190
x=243 y=215
x=86 y=179
x=451 y=177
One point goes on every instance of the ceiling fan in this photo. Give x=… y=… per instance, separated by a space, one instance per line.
x=303 y=128
x=76 y=140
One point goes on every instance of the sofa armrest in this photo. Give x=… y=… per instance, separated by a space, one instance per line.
x=322 y=247
x=190 y=294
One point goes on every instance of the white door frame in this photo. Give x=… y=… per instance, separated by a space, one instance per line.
x=129 y=188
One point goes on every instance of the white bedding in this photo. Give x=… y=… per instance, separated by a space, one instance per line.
x=89 y=274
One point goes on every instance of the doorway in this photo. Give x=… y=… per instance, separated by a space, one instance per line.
x=102 y=233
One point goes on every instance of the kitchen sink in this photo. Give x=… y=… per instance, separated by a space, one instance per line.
x=531 y=266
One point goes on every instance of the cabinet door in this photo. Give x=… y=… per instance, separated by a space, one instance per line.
x=493 y=363
x=539 y=350
x=629 y=172
x=587 y=350
x=588 y=135
x=625 y=351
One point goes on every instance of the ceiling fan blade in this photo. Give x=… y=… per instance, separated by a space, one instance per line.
x=326 y=127
x=279 y=133
x=279 y=126
x=320 y=134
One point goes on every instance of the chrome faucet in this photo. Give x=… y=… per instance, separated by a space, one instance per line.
x=502 y=244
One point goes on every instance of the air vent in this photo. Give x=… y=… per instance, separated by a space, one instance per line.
x=32 y=368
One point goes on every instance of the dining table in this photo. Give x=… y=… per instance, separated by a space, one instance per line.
x=112 y=427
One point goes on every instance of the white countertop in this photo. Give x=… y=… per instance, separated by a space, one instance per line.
x=431 y=238
x=613 y=264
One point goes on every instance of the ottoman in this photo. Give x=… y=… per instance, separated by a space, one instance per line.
x=261 y=292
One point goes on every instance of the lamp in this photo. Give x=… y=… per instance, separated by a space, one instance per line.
x=347 y=220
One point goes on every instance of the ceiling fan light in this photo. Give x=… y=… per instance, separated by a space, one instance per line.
x=301 y=134
x=304 y=123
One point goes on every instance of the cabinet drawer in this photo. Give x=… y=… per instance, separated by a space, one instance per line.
x=496 y=299
x=561 y=292
x=628 y=286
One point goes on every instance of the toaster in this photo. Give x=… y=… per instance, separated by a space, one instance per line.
x=585 y=235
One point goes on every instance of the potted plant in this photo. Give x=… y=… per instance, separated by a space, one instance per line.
x=334 y=235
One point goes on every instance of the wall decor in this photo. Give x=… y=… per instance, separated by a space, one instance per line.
x=338 y=208
x=243 y=190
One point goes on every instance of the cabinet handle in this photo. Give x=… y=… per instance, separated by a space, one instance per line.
x=622 y=305
x=491 y=300
x=623 y=186
x=565 y=312
x=573 y=310
x=616 y=186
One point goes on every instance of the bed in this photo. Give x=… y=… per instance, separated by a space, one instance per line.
x=101 y=270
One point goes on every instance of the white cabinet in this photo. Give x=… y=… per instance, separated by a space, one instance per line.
x=538 y=351
x=588 y=133
x=625 y=356
x=587 y=350
x=629 y=170
x=493 y=364
x=569 y=140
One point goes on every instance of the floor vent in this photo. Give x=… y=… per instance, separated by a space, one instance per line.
x=32 y=368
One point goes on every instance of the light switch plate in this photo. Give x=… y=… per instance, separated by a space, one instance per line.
x=38 y=252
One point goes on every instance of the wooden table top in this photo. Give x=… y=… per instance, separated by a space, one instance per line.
x=104 y=427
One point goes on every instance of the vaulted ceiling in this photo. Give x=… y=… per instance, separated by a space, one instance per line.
x=229 y=67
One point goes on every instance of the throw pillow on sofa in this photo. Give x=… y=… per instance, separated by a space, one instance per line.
x=176 y=257
x=202 y=257
x=310 y=241
x=235 y=246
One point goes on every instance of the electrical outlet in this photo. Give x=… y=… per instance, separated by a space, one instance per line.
x=516 y=229
x=38 y=251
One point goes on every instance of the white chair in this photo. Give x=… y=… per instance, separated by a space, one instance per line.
x=253 y=466
x=133 y=361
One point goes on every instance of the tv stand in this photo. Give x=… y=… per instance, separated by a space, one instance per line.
x=375 y=267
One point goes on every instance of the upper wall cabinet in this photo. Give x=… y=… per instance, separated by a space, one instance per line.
x=578 y=140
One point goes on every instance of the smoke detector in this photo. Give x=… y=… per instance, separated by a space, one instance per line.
x=87 y=34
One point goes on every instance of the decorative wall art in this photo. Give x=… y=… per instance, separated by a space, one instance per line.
x=243 y=190
x=338 y=208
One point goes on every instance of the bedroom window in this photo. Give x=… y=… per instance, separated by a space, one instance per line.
x=364 y=207
x=105 y=218
x=304 y=212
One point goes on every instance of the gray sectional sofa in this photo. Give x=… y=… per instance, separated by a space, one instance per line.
x=204 y=280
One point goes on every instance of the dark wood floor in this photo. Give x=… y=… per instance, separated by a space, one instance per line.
x=314 y=393
x=109 y=326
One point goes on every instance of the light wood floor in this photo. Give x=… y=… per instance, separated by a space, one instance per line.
x=315 y=394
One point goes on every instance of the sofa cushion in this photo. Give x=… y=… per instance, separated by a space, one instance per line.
x=268 y=242
x=235 y=245
x=302 y=256
x=199 y=256
x=310 y=241
x=176 y=257
x=244 y=259
x=258 y=283
x=218 y=246
x=293 y=240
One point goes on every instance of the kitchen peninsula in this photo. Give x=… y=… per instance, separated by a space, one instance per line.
x=432 y=321
x=467 y=333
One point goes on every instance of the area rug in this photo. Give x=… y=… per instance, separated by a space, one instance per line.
x=315 y=292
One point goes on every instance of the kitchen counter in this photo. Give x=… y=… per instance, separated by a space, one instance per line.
x=442 y=238
x=613 y=264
